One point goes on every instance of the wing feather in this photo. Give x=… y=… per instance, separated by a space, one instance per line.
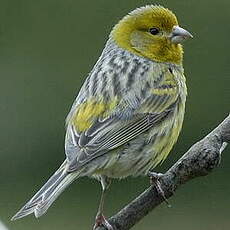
x=135 y=114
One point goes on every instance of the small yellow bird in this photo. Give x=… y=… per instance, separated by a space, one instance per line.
x=129 y=112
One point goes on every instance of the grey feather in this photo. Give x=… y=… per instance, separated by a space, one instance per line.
x=120 y=135
x=129 y=119
x=44 y=198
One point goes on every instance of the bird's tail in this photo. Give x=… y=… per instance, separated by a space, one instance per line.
x=42 y=200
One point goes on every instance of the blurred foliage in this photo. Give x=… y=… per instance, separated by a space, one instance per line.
x=47 y=47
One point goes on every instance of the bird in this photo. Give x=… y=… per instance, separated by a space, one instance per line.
x=129 y=111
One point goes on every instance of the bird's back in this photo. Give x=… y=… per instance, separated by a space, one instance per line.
x=125 y=92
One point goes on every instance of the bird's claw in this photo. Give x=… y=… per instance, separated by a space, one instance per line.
x=100 y=220
x=155 y=181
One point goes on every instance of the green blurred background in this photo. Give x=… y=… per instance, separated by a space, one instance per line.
x=47 y=47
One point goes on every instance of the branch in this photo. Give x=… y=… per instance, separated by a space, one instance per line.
x=198 y=161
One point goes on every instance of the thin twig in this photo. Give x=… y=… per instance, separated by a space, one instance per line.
x=198 y=161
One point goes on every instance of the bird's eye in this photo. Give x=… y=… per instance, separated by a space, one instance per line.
x=154 y=31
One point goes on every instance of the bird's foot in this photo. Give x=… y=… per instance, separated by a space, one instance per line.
x=100 y=220
x=155 y=181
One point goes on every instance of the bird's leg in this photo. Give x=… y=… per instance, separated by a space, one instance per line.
x=155 y=181
x=100 y=219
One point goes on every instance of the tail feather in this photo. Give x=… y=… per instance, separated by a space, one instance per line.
x=44 y=198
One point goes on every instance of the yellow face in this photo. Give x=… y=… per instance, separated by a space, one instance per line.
x=148 y=32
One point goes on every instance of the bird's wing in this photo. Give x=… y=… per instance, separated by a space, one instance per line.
x=97 y=126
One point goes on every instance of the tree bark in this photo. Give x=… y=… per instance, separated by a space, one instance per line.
x=198 y=161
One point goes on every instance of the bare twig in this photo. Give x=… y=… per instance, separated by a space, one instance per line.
x=199 y=160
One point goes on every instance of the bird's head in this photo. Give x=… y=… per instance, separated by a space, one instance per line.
x=152 y=32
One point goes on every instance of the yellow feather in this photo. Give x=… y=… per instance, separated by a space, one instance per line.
x=132 y=34
x=88 y=111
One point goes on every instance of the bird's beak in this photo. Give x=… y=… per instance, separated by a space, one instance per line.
x=179 y=34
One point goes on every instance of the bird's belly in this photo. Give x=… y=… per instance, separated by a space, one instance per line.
x=143 y=153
